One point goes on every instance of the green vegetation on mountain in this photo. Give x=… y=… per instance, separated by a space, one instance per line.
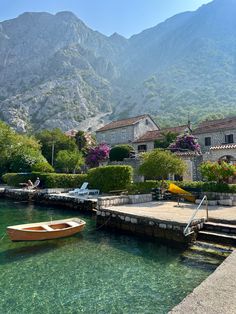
x=73 y=77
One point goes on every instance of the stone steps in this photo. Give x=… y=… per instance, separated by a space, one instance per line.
x=217 y=237
x=202 y=253
x=221 y=227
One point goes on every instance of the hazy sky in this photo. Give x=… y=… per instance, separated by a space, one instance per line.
x=126 y=17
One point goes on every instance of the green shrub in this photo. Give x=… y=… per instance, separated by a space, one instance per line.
x=119 y=152
x=42 y=167
x=215 y=171
x=48 y=180
x=110 y=178
x=146 y=187
x=14 y=179
x=143 y=187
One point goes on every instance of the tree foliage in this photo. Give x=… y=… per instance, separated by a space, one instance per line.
x=18 y=152
x=53 y=141
x=84 y=141
x=69 y=161
x=119 y=152
x=217 y=171
x=159 y=164
x=168 y=138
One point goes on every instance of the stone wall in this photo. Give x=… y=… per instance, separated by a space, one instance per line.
x=126 y=134
x=149 y=145
x=41 y=197
x=107 y=201
x=134 y=163
x=216 y=154
x=217 y=138
x=143 y=226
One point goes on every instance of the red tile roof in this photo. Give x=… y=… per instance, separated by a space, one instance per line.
x=216 y=125
x=224 y=146
x=123 y=123
x=158 y=134
x=71 y=133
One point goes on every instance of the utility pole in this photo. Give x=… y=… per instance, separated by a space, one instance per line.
x=53 y=148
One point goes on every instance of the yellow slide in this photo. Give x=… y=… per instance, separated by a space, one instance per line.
x=185 y=194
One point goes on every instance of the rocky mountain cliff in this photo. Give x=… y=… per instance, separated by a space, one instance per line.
x=57 y=72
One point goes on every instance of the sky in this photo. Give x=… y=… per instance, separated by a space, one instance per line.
x=126 y=17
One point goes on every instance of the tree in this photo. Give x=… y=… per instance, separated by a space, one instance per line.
x=23 y=159
x=18 y=151
x=84 y=141
x=168 y=138
x=119 y=152
x=97 y=154
x=159 y=164
x=69 y=161
x=53 y=141
x=42 y=166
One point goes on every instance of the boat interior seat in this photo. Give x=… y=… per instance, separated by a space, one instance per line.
x=47 y=227
x=72 y=223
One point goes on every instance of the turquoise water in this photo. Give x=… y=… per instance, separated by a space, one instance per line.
x=92 y=272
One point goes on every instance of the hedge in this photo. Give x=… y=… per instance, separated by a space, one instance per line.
x=47 y=180
x=110 y=178
x=145 y=187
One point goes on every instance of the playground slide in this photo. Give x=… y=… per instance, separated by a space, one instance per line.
x=185 y=194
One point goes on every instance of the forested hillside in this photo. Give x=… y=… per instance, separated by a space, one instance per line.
x=57 y=72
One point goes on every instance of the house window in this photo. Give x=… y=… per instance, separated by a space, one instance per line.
x=147 y=122
x=142 y=148
x=207 y=141
x=229 y=138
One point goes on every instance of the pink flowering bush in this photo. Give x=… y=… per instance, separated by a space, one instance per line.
x=97 y=154
x=185 y=142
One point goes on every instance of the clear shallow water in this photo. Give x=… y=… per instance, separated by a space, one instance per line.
x=92 y=272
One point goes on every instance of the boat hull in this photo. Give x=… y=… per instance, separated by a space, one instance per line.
x=45 y=230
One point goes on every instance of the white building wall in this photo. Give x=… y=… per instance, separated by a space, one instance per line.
x=143 y=126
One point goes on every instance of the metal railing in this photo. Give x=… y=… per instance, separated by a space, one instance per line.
x=186 y=230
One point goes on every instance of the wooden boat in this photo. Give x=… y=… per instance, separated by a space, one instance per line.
x=46 y=230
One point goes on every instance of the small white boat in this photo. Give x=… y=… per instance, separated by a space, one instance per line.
x=46 y=230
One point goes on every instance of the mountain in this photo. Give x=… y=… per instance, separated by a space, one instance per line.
x=57 y=72
x=54 y=71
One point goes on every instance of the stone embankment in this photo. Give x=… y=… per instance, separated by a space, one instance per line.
x=146 y=225
x=52 y=197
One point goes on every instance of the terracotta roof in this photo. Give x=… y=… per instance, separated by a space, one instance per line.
x=225 y=146
x=158 y=134
x=216 y=125
x=123 y=123
x=187 y=154
x=71 y=133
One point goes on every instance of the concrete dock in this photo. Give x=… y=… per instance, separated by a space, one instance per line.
x=170 y=211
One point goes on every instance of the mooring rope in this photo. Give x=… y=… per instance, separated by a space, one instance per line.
x=102 y=224
x=3 y=236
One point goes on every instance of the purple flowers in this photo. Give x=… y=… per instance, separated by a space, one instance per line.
x=184 y=143
x=97 y=154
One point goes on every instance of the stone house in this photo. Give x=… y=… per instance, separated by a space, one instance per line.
x=217 y=139
x=125 y=131
x=146 y=142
